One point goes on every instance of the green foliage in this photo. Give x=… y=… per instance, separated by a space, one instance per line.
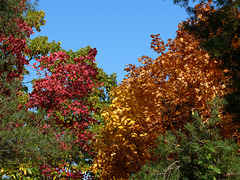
x=187 y=4
x=22 y=143
x=40 y=47
x=10 y=12
x=35 y=19
x=196 y=151
x=7 y=13
x=78 y=53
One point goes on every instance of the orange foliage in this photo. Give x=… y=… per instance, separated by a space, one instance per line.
x=158 y=96
x=204 y=11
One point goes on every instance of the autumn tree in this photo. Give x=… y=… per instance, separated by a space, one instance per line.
x=217 y=25
x=63 y=94
x=72 y=92
x=46 y=133
x=158 y=97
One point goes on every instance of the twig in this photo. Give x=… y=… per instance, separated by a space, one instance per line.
x=170 y=167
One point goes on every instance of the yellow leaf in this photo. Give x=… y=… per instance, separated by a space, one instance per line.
x=143 y=134
x=134 y=135
x=25 y=171
x=132 y=122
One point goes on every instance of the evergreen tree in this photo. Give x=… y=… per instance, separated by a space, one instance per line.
x=24 y=144
x=196 y=151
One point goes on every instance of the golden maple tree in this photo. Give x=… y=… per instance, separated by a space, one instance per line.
x=158 y=96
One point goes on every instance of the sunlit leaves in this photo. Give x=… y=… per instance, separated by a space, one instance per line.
x=217 y=25
x=35 y=19
x=158 y=96
x=40 y=46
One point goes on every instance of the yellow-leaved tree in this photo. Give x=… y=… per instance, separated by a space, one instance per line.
x=158 y=96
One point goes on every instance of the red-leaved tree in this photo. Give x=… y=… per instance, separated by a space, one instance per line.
x=63 y=93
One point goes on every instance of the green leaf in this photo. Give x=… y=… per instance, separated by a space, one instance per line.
x=210 y=166
x=212 y=149
x=200 y=162
x=217 y=170
x=34 y=171
x=208 y=156
x=29 y=171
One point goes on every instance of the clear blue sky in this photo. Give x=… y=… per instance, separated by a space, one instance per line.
x=120 y=30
